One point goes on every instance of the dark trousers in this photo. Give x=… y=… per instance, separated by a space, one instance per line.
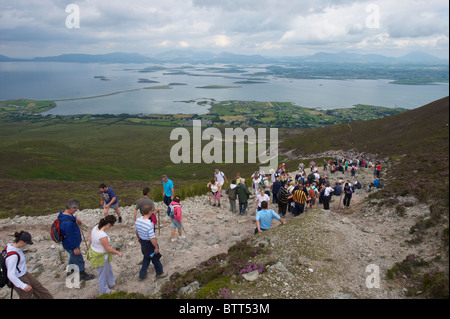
x=326 y=202
x=242 y=208
x=347 y=200
x=298 y=209
x=147 y=249
x=282 y=208
x=167 y=201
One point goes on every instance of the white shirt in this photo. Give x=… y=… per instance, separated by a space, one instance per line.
x=96 y=235
x=219 y=177
x=11 y=262
x=263 y=198
x=328 y=191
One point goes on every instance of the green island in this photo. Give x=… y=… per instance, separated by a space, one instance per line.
x=230 y=113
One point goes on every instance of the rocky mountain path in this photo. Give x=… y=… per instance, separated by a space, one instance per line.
x=320 y=254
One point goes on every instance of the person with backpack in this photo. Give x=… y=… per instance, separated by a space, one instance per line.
x=100 y=254
x=376 y=183
x=176 y=217
x=232 y=195
x=72 y=237
x=21 y=281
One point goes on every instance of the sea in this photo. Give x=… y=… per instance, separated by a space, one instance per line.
x=94 y=88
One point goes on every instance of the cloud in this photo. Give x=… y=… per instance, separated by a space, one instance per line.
x=242 y=26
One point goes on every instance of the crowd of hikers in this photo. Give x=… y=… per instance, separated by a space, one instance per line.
x=274 y=194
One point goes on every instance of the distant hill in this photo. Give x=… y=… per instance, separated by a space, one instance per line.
x=416 y=143
x=413 y=131
x=191 y=56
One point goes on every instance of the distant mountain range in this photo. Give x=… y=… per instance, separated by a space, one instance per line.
x=190 y=56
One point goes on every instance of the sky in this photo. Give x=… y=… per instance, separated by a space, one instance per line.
x=30 y=28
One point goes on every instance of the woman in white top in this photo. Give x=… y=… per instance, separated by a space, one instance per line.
x=262 y=196
x=23 y=282
x=101 y=256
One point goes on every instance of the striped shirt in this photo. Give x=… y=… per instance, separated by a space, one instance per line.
x=144 y=228
x=299 y=196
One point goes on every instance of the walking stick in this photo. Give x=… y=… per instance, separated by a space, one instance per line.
x=84 y=239
x=159 y=225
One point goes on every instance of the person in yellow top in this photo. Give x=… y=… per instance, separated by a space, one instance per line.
x=300 y=197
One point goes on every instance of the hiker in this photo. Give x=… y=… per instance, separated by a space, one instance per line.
x=376 y=183
x=377 y=169
x=216 y=189
x=261 y=197
x=142 y=202
x=264 y=218
x=312 y=192
x=243 y=195
x=256 y=179
x=168 y=191
x=72 y=237
x=108 y=199
x=176 y=219
x=337 y=189
x=24 y=283
x=283 y=196
x=100 y=254
x=220 y=177
x=299 y=199
x=353 y=171
x=275 y=189
x=144 y=229
x=348 y=192
x=232 y=194
x=326 y=196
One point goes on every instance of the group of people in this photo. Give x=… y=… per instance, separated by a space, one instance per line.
x=287 y=192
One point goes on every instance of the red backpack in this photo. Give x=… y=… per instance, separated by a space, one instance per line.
x=55 y=230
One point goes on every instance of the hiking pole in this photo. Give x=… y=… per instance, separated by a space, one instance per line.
x=159 y=224
x=84 y=239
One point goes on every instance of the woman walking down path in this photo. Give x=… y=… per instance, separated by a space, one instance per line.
x=100 y=254
x=216 y=190
x=23 y=282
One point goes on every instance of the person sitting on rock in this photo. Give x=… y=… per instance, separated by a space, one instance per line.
x=264 y=218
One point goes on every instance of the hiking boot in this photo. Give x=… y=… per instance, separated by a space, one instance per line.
x=164 y=274
x=85 y=276
x=120 y=219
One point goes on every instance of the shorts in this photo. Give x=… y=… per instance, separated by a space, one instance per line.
x=217 y=195
x=113 y=206
x=175 y=224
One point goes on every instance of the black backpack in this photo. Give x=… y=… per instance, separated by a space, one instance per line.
x=4 y=281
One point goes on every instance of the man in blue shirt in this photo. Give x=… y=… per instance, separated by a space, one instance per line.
x=108 y=199
x=71 y=234
x=264 y=218
x=168 y=191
